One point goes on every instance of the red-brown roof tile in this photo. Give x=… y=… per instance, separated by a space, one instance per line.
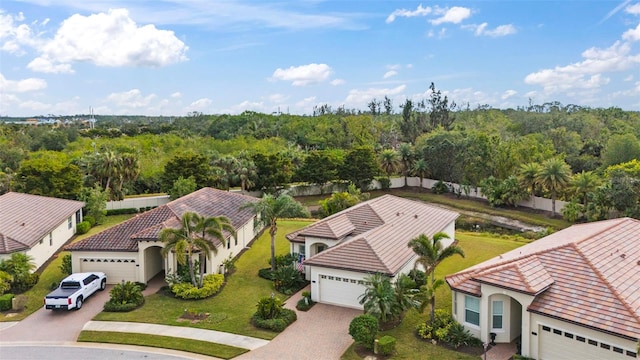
x=207 y=202
x=595 y=272
x=26 y=219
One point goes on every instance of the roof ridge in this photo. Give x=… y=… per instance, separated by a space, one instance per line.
x=614 y=223
x=609 y=286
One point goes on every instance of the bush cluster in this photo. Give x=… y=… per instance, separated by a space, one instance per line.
x=124 y=297
x=90 y=219
x=445 y=329
x=83 y=227
x=305 y=303
x=110 y=306
x=211 y=284
x=284 y=319
x=363 y=329
x=122 y=211
x=5 y=302
x=266 y=273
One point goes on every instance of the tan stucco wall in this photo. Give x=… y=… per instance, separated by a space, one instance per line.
x=43 y=250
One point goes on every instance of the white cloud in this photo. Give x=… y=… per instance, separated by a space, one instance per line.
x=632 y=34
x=389 y=74
x=483 y=30
x=306 y=103
x=131 y=99
x=45 y=65
x=633 y=9
x=109 y=39
x=419 y=11
x=278 y=98
x=176 y=95
x=453 y=15
x=359 y=98
x=628 y=78
x=507 y=94
x=337 y=82
x=586 y=74
x=21 y=86
x=13 y=36
x=442 y=33
x=303 y=75
x=199 y=105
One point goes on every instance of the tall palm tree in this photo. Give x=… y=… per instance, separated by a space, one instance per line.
x=528 y=175
x=406 y=156
x=379 y=299
x=269 y=210
x=246 y=172
x=389 y=161
x=430 y=253
x=584 y=183
x=420 y=167
x=195 y=235
x=554 y=175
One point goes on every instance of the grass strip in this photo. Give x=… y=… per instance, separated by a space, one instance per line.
x=165 y=342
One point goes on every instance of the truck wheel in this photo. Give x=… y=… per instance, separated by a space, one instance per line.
x=79 y=303
x=103 y=284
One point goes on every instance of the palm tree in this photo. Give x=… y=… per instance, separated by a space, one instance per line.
x=554 y=175
x=269 y=210
x=420 y=167
x=584 y=183
x=246 y=172
x=379 y=297
x=528 y=175
x=195 y=234
x=389 y=161
x=406 y=156
x=430 y=253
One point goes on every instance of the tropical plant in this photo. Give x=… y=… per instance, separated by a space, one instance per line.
x=269 y=210
x=95 y=200
x=406 y=157
x=287 y=279
x=5 y=281
x=182 y=187
x=528 y=175
x=342 y=200
x=363 y=329
x=554 y=175
x=20 y=266
x=379 y=298
x=389 y=161
x=65 y=265
x=246 y=172
x=197 y=234
x=420 y=167
x=430 y=253
x=124 y=296
x=583 y=184
x=405 y=290
x=272 y=315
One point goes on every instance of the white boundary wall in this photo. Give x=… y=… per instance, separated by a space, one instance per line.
x=138 y=202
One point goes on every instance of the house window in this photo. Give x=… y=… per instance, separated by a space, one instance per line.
x=302 y=251
x=69 y=222
x=78 y=216
x=472 y=310
x=497 y=314
x=236 y=239
x=228 y=244
x=321 y=248
x=50 y=239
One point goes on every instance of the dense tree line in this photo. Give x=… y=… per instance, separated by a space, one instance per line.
x=507 y=151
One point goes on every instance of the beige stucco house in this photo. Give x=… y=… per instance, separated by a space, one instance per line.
x=574 y=294
x=131 y=251
x=338 y=252
x=36 y=225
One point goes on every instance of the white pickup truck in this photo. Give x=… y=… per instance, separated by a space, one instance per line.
x=74 y=290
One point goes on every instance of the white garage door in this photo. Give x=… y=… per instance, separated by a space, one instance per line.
x=117 y=269
x=343 y=291
x=557 y=344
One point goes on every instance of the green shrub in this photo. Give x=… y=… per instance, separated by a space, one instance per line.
x=445 y=329
x=54 y=285
x=419 y=276
x=122 y=211
x=65 y=266
x=387 y=345
x=5 y=302
x=305 y=304
x=284 y=319
x=211 y=284
x=363 y=329
x=459 y=336
x=269 y=307
x=385 y=183
x=440 y=188
x=21 y=285
x=266 y=273
x=5 y=281
x=287 y=279
x=83 y=227
x=124 y=297
x=115 y=307
x=90 y=219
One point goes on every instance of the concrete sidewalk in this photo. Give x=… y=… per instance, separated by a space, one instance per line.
x=240 y=341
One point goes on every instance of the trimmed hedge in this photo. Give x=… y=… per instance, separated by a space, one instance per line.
x=286 y=318
x=6 y=302
x=83 y=227
x=387 y=345
x=211 y=284
x=111 y=306
x=122 y=211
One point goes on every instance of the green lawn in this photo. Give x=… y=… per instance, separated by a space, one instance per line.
x=52 y=274
x=192 y=346
x=231 y=310
x=477 y=248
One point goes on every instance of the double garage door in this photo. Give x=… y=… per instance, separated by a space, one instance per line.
x=117 y=269
x=558 y=344
x=340 y=290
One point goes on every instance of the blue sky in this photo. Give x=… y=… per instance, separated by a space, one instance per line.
x=173 y=57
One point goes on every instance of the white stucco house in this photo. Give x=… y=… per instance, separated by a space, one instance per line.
x=574 y=294
x=131 y=251
x=339 y=251
x=36 y=225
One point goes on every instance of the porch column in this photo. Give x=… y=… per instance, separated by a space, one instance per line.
x=525 y=336
x=485 y=315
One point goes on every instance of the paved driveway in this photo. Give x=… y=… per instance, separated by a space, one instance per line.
x=318 y=334
x=47 y=325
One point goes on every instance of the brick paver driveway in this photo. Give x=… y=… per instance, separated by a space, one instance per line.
x=321 y=333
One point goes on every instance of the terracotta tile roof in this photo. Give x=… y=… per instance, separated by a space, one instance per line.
x=26 y=219
x=147 y=226
x=595 y=273
x=383 y=228
x=337 y=228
